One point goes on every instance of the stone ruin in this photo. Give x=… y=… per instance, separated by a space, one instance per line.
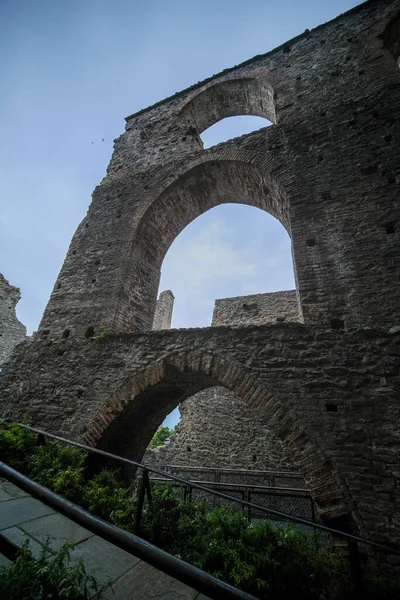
x=217 y=429
x=11 y=329
x=328 y=168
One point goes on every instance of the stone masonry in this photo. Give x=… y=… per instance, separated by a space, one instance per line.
x=257 y=309
x=163 y=313
x=330 y=396
x=217 y=429
x=11 y=329
x=329 y=169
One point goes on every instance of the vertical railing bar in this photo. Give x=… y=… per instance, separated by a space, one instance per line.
x=312 y=510
x=40 y=440
x=246 y=496
x=148 y=487
x=355 y=567
x=140 y=501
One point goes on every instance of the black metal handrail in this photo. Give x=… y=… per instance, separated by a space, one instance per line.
x=250 y=486
x=351 y=538
x=167 y=563
x=272 y=473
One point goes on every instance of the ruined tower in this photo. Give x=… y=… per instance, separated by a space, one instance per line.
x=328 y=169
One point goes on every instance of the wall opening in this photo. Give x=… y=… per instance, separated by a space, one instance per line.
x=148 y=396
x=222 y=432
x=231 y=250
x=212 y=183
x=232 y=127
x=167 y=430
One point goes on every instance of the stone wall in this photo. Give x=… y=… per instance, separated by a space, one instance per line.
x=11 y=329
x=257 y=309
x=163 y=313
x=328 y=168
x=330 y=396
x=217 y=429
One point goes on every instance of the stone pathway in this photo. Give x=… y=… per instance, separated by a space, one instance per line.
x=130 y=578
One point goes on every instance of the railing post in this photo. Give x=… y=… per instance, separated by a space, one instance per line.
x=312 y=510
x=148 y=488
x=143 y=488
x=247 y=497
x=355 y=568
x=40 y=440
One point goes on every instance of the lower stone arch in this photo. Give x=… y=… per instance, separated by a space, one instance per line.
x=144 y=399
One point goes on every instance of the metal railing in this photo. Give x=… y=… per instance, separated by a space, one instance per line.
x=145 y=493
x=171 y=565
x=273 y=478
x=294 y=501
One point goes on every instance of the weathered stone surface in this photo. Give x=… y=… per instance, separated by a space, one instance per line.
x=217 y=429
x=115 y=391
x=163 y=313
x=328 y=169
x=11 y=330
x=257 y=309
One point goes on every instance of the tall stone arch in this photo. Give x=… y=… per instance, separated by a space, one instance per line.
x=202 y=187
x=120 y=426
x=328 y=168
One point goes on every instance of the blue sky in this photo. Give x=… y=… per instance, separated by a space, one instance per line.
x=71 y=70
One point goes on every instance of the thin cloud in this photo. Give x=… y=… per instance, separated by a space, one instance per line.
x=224 y=254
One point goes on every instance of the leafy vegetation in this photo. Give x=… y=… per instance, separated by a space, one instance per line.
x=263 y=559
x=161 y=436
x=49 y=577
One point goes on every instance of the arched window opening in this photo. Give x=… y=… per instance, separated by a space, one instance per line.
x=221 y=439
x=146 y=397
x=250 y=97
x=213 y=182
x=232 y=127
x=235 y=252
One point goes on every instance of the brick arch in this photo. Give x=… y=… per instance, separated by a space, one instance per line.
x=231 y=97
x=221 y=153
x=128 y=421
x=203 y=186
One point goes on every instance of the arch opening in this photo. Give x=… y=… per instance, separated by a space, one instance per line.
x=202 y=187
x=231 y=251
x=217 y=430
x=141 y=404
x=232 y=127
x=232 y=97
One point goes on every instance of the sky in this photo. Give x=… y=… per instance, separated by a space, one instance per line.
x=70 y=71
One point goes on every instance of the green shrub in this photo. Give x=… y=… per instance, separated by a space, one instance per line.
x=161 y=436
x=60 y=468
x=263 y=559
x=16 y=446
x=106 y=496
x=47 y=578
x=161 y=520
